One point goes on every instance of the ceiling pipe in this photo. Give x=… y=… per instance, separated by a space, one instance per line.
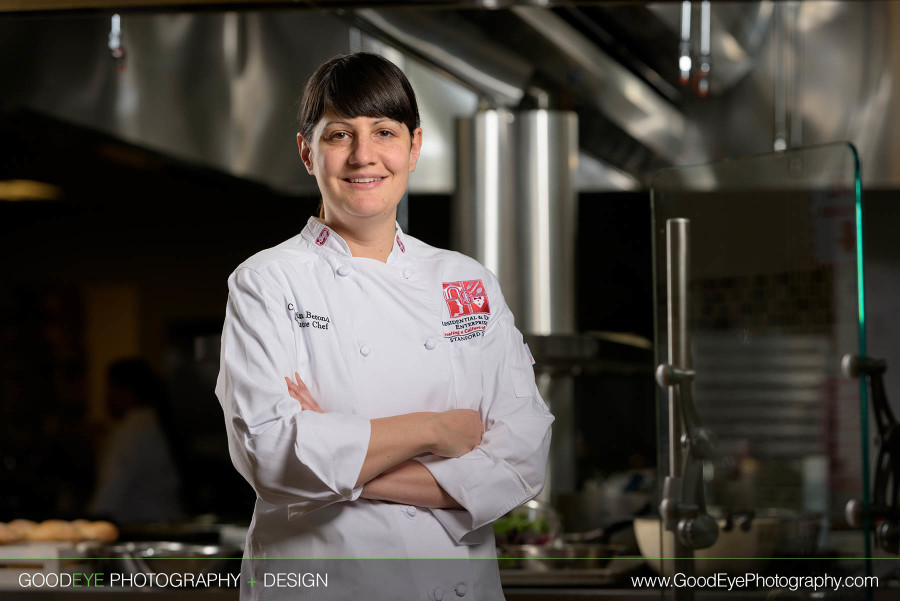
x=457 y=48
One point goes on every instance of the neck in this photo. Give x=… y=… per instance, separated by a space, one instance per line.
x=371 y=239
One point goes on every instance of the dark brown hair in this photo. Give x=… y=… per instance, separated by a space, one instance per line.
x=358 y=85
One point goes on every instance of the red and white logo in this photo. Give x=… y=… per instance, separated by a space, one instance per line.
x=323 y=236
x=400 y=244
x=466 y=298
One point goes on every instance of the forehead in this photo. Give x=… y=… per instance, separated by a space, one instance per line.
x=330 y=118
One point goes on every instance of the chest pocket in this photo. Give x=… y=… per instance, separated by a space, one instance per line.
x=466 y=387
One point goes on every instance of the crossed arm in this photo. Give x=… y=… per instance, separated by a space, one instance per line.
x=388 y=473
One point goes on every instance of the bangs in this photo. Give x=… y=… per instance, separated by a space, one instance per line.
x=365 y=94
x=358 y=85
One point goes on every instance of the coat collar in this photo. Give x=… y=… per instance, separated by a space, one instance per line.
x=320 y=236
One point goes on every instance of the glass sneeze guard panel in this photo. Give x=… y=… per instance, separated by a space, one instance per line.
x=774 y=299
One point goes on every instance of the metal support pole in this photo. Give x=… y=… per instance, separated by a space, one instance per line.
x=679 y=355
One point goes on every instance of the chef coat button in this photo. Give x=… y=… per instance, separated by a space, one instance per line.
x=344 y=270
x=411 y=511
x=438 y=594
x=430 y=344
x=407 y=273
x=364 y=350
x=461 y=590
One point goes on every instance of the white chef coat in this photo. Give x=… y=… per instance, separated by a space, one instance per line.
x=426 y=331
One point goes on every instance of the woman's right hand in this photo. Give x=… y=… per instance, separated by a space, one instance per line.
x=301 y=393
x=455 y=432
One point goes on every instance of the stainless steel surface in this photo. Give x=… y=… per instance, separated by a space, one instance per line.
x=244 y=70
x=547 y=158
x=627 y=101
x=498 y=66
x=486 y=196
x=679 y=355
x=683 y=507
x=163 y=557
x=685 y=62
x=678 y=260
x=457 y=47
x=594 y=175
x=515 y=210
x=737 y=29
x=218 y=89
x=826 y=69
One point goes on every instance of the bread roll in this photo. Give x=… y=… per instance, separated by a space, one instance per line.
x=54 y=530
x=8 y=535
x=22 y=527
x=101 y=531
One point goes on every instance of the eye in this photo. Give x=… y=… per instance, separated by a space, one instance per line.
x=338 y=135
x=385 y=133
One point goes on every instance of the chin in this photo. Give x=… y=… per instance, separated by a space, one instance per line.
x=371 y=209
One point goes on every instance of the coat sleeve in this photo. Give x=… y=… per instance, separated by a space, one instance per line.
x=289 y=456
x=509 y=466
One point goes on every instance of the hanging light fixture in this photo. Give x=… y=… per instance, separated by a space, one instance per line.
x=115 y=43
x=684 y=46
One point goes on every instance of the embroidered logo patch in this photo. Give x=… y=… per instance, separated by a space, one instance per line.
x=469 y=309
x=323 y=236
x=466 y=298
x=402 y=248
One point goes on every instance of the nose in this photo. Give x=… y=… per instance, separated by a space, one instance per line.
x=362 y=152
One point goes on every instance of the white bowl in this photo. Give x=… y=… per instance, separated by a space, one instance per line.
x=734 y=552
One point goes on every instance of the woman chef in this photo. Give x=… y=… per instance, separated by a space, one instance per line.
x=411 y=420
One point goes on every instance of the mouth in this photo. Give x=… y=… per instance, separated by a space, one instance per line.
x=362 y=180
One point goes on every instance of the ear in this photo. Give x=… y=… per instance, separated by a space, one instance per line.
x=305 y=153
x=415 y=148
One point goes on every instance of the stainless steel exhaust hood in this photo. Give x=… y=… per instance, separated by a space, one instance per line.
x=218 y=88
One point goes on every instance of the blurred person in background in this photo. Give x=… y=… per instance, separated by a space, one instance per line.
x=137 y=478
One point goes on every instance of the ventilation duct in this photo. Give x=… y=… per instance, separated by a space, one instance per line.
x=516 y=210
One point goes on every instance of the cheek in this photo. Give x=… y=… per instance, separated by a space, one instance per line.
x=400 y=163
x=330 y=164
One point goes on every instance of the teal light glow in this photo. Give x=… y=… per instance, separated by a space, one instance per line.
x=863 y=388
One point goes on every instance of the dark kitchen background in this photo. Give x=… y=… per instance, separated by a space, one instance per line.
x=132 y=260
x=146 y=153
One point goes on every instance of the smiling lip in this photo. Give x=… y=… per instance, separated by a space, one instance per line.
x=364 y=182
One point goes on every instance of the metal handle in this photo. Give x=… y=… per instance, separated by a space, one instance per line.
x=678 y=257
x=679 y=355
x=679 y=364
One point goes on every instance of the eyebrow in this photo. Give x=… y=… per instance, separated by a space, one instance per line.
x=336 y=122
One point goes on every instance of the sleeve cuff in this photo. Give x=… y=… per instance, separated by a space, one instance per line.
x=335 y=447
x=485 y=486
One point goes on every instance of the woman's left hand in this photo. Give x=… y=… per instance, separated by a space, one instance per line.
x=300 y=392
